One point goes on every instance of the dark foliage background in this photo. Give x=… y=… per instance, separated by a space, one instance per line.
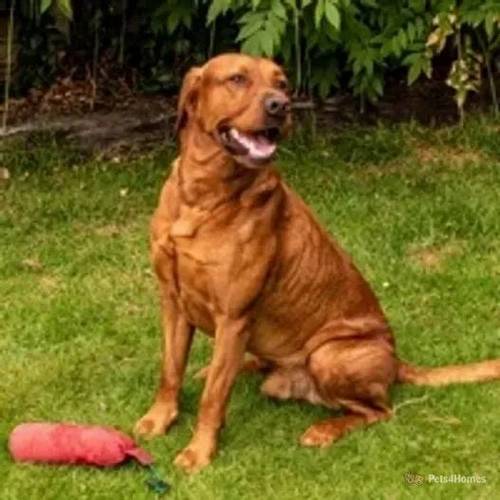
x=354 y=46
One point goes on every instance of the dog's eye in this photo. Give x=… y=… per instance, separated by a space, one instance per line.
x=282 y=85
x=238 y=79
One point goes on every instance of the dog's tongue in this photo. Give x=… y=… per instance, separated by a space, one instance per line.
x=258 y=146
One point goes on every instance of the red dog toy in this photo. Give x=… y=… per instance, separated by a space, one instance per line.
x=73 y=444
x=82 y=445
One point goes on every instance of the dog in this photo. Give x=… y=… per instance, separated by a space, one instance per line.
x=239 y=255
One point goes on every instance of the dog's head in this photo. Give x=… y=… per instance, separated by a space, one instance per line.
x=241 y=101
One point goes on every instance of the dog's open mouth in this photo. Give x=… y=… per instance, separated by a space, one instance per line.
x=257 y=146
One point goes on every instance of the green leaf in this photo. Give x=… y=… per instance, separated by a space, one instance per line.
x=418 y=63
x=266 y=42
x=386 y=48
x=217 y=7
x=403 y=40
x=332 y=14
x=173 y=21
x=65 y=7
x=489 y=25
x=45 y=5
x=278 y=9
x=369 y=67
x=251 y=46
x=417 y=5
x=412 y=33
x=319 y=12
x=251 y=17
x=248 y=30
x=187 y=19
x=419 y=26
x=414 y=72
x=411 y=59
x=357 y=66
x=396 y=49
x=378 y=86
x=427 y=67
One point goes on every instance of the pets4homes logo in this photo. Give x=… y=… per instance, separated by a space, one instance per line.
x=417 y=479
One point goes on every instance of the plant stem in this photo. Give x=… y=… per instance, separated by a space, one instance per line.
x=8 y=76
x=458 y=38
x=298 y=51
x=493 y=88
x=489 y=71
x=95 y=58
x=123 y=31
x=308 y=79
x=211 y=45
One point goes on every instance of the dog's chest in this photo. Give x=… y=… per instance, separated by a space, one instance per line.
x=195 y=264
x=215 y=261
x=203 y=256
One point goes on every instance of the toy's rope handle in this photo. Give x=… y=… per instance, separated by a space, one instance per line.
x=155 y=482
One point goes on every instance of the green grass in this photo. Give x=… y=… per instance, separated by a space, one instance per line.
x=418 y=209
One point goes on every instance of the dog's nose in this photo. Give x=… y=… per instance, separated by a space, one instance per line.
x=276 y=105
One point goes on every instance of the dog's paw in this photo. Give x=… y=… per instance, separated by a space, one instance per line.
x=156 y=421
x=192 y=460
x=319 y=435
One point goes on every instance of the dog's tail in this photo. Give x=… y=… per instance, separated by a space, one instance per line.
x=451 y=374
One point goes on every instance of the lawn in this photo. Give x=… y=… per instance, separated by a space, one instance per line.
x=418 y=209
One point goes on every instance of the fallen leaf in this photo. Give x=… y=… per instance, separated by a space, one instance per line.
x=108 y=230
x=4 y=174
x=49 y=283
x=33 y=264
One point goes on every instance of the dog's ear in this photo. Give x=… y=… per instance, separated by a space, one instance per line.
x=188 y=97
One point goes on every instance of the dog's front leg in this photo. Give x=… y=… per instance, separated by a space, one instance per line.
x=231 y=338
x=177 y=335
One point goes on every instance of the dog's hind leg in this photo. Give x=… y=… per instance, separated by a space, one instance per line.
x=291 y=383
x=356 y=375
x=326 y=432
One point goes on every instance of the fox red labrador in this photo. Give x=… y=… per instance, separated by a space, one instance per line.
x=239 y=255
